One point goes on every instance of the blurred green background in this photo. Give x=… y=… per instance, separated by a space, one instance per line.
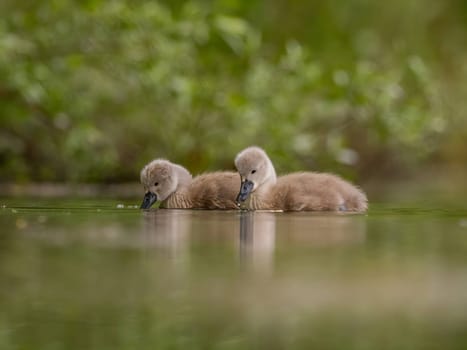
x=90 y=91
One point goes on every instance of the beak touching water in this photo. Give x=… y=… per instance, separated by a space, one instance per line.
x=245 y=190
x=148 y=200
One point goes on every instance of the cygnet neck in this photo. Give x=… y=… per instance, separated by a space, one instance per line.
x=259 y=199
x=183 y=176
x=272 y=177
x=180 y=198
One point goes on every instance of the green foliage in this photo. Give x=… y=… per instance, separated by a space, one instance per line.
x=91 y=91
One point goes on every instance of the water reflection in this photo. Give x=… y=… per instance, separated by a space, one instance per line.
x=322 y=230
x=255 y=235
x=260 y=232
x=168 y=230
x=257 y=239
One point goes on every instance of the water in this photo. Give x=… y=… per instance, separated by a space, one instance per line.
x=104 y=275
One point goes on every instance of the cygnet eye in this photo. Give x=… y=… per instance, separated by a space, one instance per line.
x=253 y=171
x=156 y=184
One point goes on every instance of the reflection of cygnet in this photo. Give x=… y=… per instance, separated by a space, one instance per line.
x=304 y=191
x=174 y=187
x=257 y=239
x=169 y=231
x=320 y=230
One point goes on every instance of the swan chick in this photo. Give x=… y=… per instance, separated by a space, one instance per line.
x=174 y=187
x=303 y=191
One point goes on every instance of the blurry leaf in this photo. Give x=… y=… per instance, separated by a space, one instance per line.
x=234 y=31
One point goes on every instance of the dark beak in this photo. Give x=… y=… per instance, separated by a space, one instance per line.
x=245 y=191
x=148 y=200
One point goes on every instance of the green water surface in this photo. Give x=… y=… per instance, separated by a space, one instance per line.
x=105 y=275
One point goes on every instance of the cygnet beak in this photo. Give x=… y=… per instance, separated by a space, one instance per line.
x=245 y=190
x=148 y=200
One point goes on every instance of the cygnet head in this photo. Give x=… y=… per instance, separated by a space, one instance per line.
x=255 y=169
x=159 y=180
